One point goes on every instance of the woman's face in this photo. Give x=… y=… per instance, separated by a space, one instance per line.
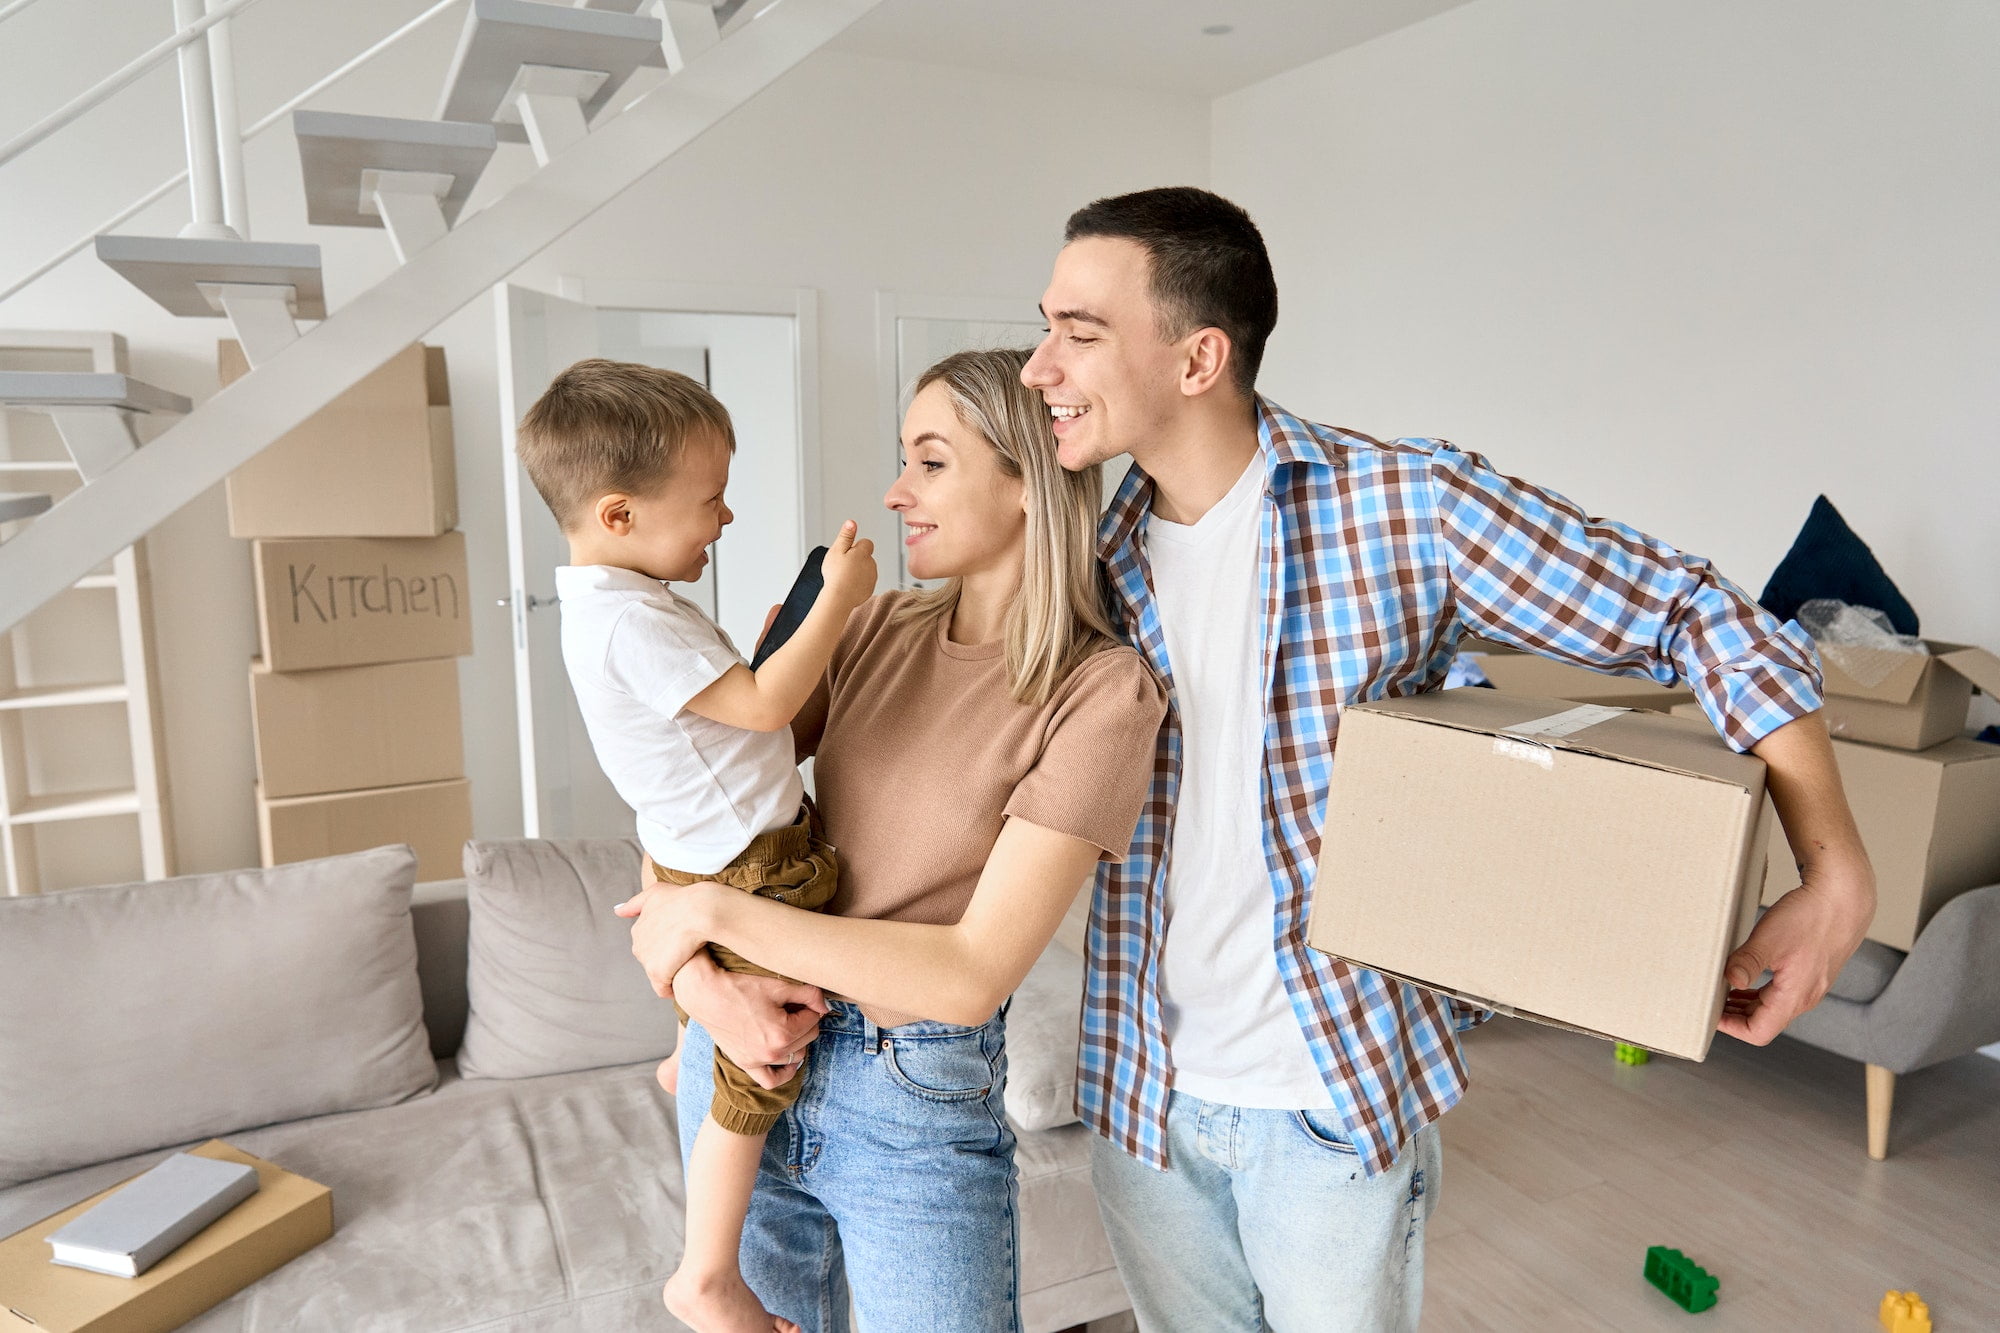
x=962 y=516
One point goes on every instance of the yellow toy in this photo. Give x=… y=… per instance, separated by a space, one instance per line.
x=1905 y=1312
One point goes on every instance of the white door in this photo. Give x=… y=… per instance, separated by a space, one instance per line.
x=750 y=363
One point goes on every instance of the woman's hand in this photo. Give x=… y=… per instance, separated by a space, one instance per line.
x=764 y=1024
x=672 y=925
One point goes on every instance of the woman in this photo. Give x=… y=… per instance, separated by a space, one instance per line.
x=979 y=747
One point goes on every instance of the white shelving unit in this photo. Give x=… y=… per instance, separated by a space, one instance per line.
x=111 y=604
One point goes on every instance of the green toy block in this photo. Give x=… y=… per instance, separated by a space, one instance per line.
x=1686 y=1283
x=1628 y=1054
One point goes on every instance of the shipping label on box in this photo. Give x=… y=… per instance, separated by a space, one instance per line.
x=346 y=728
x=1582 y=865
x=353 y=601
x=378 y=461
x=287 y=1216
x=434 y=818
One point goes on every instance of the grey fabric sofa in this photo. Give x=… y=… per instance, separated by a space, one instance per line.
x=554 y=1202
x=1897 y=1012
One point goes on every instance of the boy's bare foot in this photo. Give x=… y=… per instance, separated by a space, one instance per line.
x=669 y=1073
x=720 y=1303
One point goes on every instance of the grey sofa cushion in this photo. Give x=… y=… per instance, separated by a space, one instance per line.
x=550 y=979
x=1867 y=974
x=1042 y=1027
x=140 y=1015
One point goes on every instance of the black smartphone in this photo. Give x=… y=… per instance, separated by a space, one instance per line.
x=805 y=591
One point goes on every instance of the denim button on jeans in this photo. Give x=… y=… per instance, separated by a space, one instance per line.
x=894 y=1171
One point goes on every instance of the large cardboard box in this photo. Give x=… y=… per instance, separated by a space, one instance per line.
x=356 y=600
x=375 y=462
x=1930 y=821
x=287 y=1216
x=1583 y=866
x=346 y=728
x=435 y=818
x=1919 y=702
x=1516 y=672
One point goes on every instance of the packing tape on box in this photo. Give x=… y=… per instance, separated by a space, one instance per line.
x=1518 y=742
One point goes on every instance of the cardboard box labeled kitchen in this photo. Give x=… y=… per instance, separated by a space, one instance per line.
x=375 y=462
x=287 y=1216
x=435 y=818
x=346 y=728
x=1514 y=672
x=353 y=601
x=1914 y=702
x=1579 y=865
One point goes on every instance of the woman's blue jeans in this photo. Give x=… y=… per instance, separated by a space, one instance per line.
x=894 y=1171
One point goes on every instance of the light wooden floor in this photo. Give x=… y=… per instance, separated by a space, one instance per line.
x=1561 y=1166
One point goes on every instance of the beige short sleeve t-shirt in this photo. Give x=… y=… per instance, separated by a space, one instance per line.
x=923 y=754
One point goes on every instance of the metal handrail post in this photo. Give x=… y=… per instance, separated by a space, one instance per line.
x=228 y=126
x=198 y=118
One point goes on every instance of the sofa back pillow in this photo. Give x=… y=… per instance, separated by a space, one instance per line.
x=139 y=1016
x=551 y=984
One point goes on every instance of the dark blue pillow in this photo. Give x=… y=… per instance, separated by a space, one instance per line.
x=1828 y=560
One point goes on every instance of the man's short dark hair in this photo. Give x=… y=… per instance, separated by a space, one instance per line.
x=1209 y=265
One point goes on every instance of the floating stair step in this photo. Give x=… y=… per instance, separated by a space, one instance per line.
x=15 y=507
x=42 y=465
x=74 y=805
x=64 y=696
x=61 y=388
x=336 y=149
x=172 y=269
x=500 y=36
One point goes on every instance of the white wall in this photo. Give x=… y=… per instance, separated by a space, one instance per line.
x=1689 y=263
x=851 y=174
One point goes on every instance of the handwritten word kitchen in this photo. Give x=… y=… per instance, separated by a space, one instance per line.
x=318 y=598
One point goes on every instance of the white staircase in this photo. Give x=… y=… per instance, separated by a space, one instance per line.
x=542 y=73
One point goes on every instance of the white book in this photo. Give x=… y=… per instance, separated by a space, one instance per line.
x=152 y=1215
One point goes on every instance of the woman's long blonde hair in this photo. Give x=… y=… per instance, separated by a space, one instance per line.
x=1058 y=617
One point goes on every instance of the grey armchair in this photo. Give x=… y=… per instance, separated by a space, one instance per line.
x=1898 y=1012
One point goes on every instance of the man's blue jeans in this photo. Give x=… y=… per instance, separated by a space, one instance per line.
x=1263 y=1220
x=894 y=1171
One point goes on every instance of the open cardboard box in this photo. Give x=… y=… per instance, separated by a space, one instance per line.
x=1514 y=672
x=1582 y=866
x=1921 y=702
x=287 y=1216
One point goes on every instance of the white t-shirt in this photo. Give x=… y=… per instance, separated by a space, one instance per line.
x=636 y=653
x=1230 y=1028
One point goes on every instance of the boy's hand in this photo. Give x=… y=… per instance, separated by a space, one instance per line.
x=847 y=573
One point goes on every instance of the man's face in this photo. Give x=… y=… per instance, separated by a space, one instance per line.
x=1110 y=380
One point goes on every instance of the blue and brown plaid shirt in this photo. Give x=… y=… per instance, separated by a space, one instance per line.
x=1377 y=559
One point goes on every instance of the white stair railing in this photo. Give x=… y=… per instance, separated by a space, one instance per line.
x=234 y=426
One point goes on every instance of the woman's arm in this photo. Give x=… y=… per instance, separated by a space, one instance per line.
x=953 y=974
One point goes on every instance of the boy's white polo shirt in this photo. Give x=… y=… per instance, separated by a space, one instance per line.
x=637 y=652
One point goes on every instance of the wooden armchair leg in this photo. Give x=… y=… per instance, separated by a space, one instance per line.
x=1881 y=1093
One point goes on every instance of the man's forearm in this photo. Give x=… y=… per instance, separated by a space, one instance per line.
x=1804 y=784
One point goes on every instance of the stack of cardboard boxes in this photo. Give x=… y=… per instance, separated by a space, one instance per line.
x=363 y=606
x=1926 y=798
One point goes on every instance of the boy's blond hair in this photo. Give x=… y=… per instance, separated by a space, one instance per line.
x=604 y=426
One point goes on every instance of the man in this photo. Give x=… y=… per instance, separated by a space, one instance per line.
x=1267 y=1150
